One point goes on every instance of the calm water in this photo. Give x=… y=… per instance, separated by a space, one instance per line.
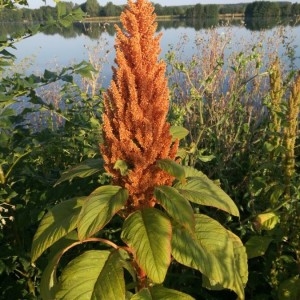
x=54 y=49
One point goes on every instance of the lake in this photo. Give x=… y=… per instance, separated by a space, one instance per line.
x=55 y=48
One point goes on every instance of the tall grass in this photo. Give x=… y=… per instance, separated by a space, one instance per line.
x=219 y=94
x=240 y=102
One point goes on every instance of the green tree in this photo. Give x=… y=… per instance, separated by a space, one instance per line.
x=211 y=11
x=295 y=9
x=158 y=9
x=203 y=11
x=92 y=8
x=286 y=9
x=179 y=11
x=232 y=8
x=26 y=14
x=11 y=3
x=112 y=10
x=262 y=9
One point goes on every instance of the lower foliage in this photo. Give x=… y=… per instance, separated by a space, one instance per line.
x=134 y=263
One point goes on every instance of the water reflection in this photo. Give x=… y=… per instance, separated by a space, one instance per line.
x=55 y=47
x=96 y=29
x=258 y=24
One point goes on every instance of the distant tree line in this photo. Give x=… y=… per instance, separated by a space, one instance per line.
x=44 y=13
x=92 y=8
x=265 y=9
x=203 y=11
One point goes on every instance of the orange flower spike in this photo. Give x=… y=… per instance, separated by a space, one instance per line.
x=135 y=108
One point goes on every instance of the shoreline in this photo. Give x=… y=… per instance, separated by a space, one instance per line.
x=159 y=18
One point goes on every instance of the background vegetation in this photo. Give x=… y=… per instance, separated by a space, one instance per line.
x=92 y=8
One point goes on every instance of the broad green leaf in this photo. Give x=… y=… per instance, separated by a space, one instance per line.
x=48 y=279
x=159 y=292
x=269 y=147
x=231 y=260
x=84 y=169
x=57 y=223
x=122 y=166
x=84 y=68
x=266 y=221
x=203 y=157
x=66 y=20
x=240 y=257
x=203 y=191
x=50 y=75
x=110 y=283
x=7 y=54
x=277 y=193
x=289 y=289
x=143 y=294
x=192 y=172
x=178 y=132
x=240 y=260
x=99 y=208
x=172 y=167
x=176 y=206
x=79 y=277
x=257 y=245
x=148 y=233
x=126 y=263
x=210 y=251
x=128 y=295
x=61 y=9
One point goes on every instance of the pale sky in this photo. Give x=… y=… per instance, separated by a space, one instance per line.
x=37 y=3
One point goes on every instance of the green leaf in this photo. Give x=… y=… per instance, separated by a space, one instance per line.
x=240 y=260
x=48 y=279
x=84 y=169
x=205 y=158
x=61 y=9
x=277 y=193
x=210 y=251
x=126 y=263
x=266 y=221
x=269 y=147
x=257 y=245
x=143 y=294
x=203 y=191
x=110 y=283
x=289 y=289
x=240 y=257
x=79 y=277
x=159 y=292
x=57 y=223
x=66 y=20
x=148 y=233
x=192 y=172
x=122 y=166
x=85 y=69
x=173 y=168
x=178 y=132
x=176 y=206
x=50 y=75
x=99 y=208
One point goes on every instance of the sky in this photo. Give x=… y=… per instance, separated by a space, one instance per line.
x=37 y=3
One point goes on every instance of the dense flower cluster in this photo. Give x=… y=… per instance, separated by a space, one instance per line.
x=135 y=130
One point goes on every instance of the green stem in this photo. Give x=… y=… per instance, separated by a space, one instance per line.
x=13 y=165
